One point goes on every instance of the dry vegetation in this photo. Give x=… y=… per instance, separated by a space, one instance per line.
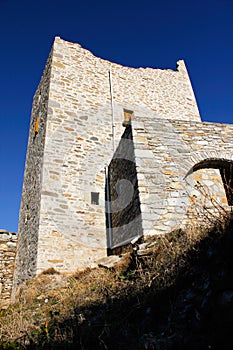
x=106 y=308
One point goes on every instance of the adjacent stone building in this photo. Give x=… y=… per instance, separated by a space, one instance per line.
x=8 y=244
x=114 y=153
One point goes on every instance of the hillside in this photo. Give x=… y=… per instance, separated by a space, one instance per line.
x=171 y=292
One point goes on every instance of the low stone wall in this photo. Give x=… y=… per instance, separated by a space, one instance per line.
x=8 y=245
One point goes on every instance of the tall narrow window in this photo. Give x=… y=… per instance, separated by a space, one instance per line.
x=36 y=127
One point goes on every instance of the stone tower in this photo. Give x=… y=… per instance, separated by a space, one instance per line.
x=114 y=153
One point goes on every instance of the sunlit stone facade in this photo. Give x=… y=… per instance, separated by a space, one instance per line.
x=108 y=154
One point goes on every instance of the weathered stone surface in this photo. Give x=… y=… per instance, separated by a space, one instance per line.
x=63 y=208
x=8 y=243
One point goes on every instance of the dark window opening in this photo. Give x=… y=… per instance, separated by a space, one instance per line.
x=95 y=198
x=26 y=214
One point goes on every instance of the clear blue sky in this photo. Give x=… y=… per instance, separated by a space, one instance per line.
x=146 y=33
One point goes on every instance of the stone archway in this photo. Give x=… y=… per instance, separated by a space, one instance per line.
x=225 y=167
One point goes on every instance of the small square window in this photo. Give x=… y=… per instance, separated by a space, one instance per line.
x=127 y=117
x=95 y=198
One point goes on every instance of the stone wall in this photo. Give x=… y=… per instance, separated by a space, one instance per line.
x=80 y=102
x=165 y=151
x=84 y=124
x=8 y=243
x=29 y=221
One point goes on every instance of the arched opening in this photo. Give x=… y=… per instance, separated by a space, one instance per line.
x=226 y=171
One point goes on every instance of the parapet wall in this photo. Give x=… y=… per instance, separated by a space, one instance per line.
x=81 y=80
x=8 y=245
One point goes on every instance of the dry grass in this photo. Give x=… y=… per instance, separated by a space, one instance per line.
x=46 y=303
x=48 y=296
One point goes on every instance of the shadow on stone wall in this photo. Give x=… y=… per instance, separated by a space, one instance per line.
x=123 y=214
